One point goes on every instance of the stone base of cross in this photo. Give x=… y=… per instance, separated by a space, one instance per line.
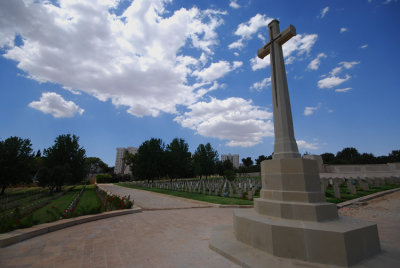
x=291 y=219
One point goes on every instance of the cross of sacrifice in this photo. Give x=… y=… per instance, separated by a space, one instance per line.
x=285 y=144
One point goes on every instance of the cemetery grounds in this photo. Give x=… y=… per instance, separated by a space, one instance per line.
x=242 y=191
x=27 y=206
x=24 y=207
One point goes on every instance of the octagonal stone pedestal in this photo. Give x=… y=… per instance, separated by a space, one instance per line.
x=292 y=220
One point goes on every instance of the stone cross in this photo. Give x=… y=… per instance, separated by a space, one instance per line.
x=285 y=144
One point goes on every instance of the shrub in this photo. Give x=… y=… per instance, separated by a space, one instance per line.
x=104 y=178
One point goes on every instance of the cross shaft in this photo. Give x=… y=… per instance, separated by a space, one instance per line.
x=285 y=144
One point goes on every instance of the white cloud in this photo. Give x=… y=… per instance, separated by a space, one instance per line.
x=134 y=59
x=332 y=81
x=305 y=145
x=336 y=71
x=259 y=86
x=314 y=64
x=297 y=46
x=389 y=1
x=349 y=64
x=343 y=89
x=236 y=45
x=234 y=119
x=310 y=110
x=246 y=30
x=324 y=11
x=364 y=46
x=236 y=54
x=343 y=29
x=234 y=4
x=257 y=63
x=54 y=104
x=261 y=37
x=217 y=70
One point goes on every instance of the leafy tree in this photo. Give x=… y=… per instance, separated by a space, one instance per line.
x=348 y=155
x=262 y=158
x=394 y=156
x=366 y=158
x=328 y=158
x=247 y=162
x=65 y=160
x=178 y=159
x=149 y=162
x=225 y=169
x=16 y=162
x=54 y=177
x=95 y=165
x=205 y=158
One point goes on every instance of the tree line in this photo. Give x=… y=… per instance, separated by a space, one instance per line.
x=65 y=162
x=155 y=160
x=351 y=155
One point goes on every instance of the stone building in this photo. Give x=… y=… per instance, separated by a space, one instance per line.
x=120 y=166
x=234 y=158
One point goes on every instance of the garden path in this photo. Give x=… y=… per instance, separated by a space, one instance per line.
x=153 y=201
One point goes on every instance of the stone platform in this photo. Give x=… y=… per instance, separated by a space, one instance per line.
x=291 y=219
x=344 y=241
x=224 y=242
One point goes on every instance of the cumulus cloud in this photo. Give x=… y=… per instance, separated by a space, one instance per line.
x=333 y=80
x=234 y=119
x=54 y=104
x=246 y=30
x=364 y=46
x=234 y=4
x=217 y=70
x=259 y=86
x=343 y=29
x=310 y=110
x=295 y=47
x=135 y=58
x=343 y=89
x=323 y=12
x=314 y=64
x=305 y=145
x=349 y=64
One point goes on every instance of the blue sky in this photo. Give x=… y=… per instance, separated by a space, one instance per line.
x=117 y=73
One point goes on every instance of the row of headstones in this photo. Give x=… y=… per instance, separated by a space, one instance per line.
x=364 y=183
x=248 y=187
x=241 y=188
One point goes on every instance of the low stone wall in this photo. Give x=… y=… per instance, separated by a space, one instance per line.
x=382 y=168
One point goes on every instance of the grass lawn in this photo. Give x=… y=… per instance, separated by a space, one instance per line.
x=330 y=197
x=346 y=195
x=21 y=190
x=53 y=210
x=195 y=196
x=89 y=203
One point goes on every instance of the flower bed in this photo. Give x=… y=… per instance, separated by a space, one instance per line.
x=111 y=202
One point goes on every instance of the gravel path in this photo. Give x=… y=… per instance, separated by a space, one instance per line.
x=385 y=211
x=152 y=201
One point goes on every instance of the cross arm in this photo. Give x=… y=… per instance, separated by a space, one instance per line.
x=282 y=38
x=264 y=51
x=286 y=34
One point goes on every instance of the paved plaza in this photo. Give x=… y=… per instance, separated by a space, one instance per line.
x=164 y=238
